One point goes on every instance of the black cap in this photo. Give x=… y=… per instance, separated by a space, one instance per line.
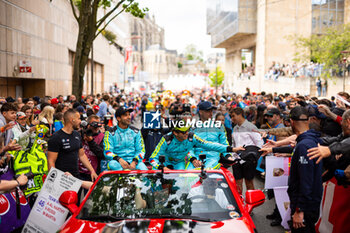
x=36 y=98
x=273 y=111
x=313 y=111
x=10 y=100
x=299 y=113
x=206 y=105
x=122 y=110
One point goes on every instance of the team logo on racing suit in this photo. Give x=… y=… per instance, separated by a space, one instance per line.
x=151 y=120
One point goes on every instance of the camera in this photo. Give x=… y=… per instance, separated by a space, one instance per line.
x=85 y=130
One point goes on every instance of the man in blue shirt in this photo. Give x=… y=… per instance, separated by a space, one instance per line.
x=123 y=147
x=103 y=107
x=211 y=134
x=176 y=147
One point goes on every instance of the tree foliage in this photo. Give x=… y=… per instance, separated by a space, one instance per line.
x=328 y=49
x=90 y=26
x=110 y=36
x=220 y=77
x=192 y=53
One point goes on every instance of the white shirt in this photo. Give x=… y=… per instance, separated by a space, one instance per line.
x=244 y=135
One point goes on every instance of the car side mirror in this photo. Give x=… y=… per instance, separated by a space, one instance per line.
x=69 y=199
x=254 y=198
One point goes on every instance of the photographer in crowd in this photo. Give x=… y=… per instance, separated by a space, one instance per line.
x=93 y=146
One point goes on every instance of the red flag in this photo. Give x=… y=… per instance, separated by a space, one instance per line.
x=135 y=68
x=127 y=53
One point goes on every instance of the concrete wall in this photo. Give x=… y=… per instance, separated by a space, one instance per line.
x=43 y=33
x=303 y=86
x=283 y=19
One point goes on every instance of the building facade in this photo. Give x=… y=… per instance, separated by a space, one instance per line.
x=265 y=27
x=150 y=62
x=43 y=34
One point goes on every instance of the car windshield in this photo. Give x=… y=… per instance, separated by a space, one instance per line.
x=174 y=195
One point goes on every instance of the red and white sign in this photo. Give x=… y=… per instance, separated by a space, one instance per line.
x=22 y=198
x=25 y=66
x=4 y=205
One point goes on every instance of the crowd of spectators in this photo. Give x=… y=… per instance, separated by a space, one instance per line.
x=309 y=126
x=294 y=70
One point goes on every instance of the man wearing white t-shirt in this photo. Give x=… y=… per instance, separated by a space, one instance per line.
x=244 y=134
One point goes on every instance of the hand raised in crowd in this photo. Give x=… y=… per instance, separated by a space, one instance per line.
x=270 y=144
x=263 y=134
x=235 y=149
x=22 y=179
x=319 y=152
x=32 y=129
x=12 y=146
x=324 y=109
x=35 y=122
x=8 y=126
x=197 y=163
x=124 y=164
x=93 y=176
x=265 y=150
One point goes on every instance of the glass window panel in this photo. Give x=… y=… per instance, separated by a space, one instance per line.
x=340 y=5
x=332 y=4
x=340 y=16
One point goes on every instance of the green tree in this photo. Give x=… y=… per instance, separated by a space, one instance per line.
x=85 y=12
x=110 y=36
x=192 y=53
x=216 y=77
x=328 y=49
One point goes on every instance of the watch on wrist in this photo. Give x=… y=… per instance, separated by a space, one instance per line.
x=18 y=184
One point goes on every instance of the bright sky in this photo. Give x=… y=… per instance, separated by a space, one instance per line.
x=184 y=23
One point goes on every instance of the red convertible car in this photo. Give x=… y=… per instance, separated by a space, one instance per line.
x=169 y=201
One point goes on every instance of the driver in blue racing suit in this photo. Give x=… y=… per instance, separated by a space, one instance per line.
x=211 y=134
x=176 y=146
x=123 y=148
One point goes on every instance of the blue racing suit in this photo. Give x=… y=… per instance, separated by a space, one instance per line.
x=126 y=144
x=211 y=134
x=175 y=152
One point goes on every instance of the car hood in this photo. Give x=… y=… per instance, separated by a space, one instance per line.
x=240 y=225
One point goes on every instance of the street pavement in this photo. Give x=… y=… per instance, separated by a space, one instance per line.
x=259 y=213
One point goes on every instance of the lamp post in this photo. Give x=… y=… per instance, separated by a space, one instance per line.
x=127 y=52
x=345 y=52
